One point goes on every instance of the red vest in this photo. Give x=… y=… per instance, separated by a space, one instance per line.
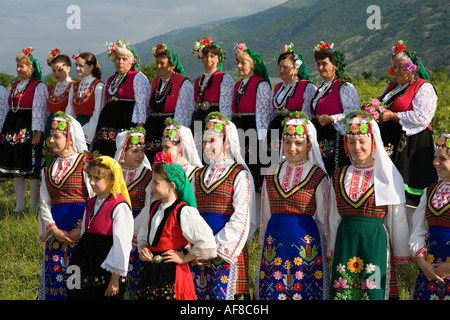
x=71 y=189
x=218 y=197
x=247 y=102
x=300 y=200
x=212 y=91
x=58 y=103
x=436 y=217
x=169 y=235
x=24 y=100
x=136 y=189
x=102 y=222
x=170 y=102
x=330 y=104
x=296 y=101
x=85 y=105
x=126 y=90
x=404 y=102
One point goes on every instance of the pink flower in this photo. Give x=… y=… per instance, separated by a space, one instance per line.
x=409 y=66
x=340 y=284
x=375 y=102
x=241 y=47
x=285 y=48
x=163 y=157
x=368 y=285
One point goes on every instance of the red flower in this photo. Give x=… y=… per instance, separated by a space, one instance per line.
x=325 y=46
x=74 y=56
x=432 y=286
x=90 y=156
x=27 y=51
x=399 y=47
x=279 y=286
x=159 y=47
x=163 y=157
x=55 y=52
x=206 y=41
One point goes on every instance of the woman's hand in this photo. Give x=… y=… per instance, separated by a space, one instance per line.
x=36 y=138
x=75 y=234
x=388 y=115
x=177 y=257
x=325 y=119
x=442 y=269
x=145 y=254
x=62 y=236
x=428 y=269
x=113 y=285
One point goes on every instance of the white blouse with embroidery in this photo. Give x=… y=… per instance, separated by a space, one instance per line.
x=357 y=181
x=193 y=226
x=90 y=127
x=419 y=229
x=349 y=99
x=289 y=177
x=59 y=170
x=424 y=106
x=230 y=240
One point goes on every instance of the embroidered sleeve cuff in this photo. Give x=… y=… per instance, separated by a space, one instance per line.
x=420 y=251
x=403 y=260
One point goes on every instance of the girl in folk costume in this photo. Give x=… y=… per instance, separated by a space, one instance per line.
x=335 y=98
x=171 y=95
x=431 y=231
x=295 y=92
x=405 y=126
x=370 y=216
x=252 y=110
x=126 y=96
x=178 y=141
x=225 y=196
x=213 y=91
x=88 y=95
x=103 y=252
x=137 y=174
x=59 y=93
x=295 y=205
x=172 y=224
x=64 y=191
x=22 y=128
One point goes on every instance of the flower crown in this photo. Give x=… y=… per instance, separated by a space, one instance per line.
x=290 y=48
x=160 y=47
x=443 y=141
x=400 y=46
x=61 y=122
x=52 y=54
x=171 y=130
x=90 y=156
x=28 y=50
x=295 y=125
x=323 y=46
x=135 y=137
x=199 y=45
x=357 y=123
x=238 y=48
x=216 y=122
x=112 y=47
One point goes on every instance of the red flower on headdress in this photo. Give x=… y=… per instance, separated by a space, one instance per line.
x=74 y=57
x=325 y=46
x=159 y=47
x=55 y=52
x=27 y=51
x=206 y=41
x=163 y=157
x=89 y=157
x=399 y=47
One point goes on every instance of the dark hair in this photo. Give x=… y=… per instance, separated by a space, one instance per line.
x=91 y=60
x=325 y=53
x=62 y=58
x=162 y=53
x=159 y=169
x=211 y=49
x=286 y=55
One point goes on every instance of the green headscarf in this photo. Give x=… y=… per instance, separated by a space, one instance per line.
x=37 y=74
x=177 y=175
x=260 y=67
x=415 y=58
x=303 y=73
x=175 y=61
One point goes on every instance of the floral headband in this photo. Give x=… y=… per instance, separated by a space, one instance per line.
x=160 y=47
x=61 y=122
x=290 y=48
x=400 y=46
x=111 y=48
x=172 y=130
x=200 y=44
x=415 y=64
x=324 y=46
x=135 y=137
x=295 y=125
x=358 y=124
x=37 y=74
x=216 y=123
x=52 y=54
x=443 y=141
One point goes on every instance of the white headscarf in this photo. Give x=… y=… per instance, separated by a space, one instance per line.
x=388 y=182
x=121 y=138
x=189 y=148
x=75 y=131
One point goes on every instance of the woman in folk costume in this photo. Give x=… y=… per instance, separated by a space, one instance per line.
x=430 y=233
x=22 y=129
x=171 y=95
x=126 y=96
x=213 y=91
x=88 y=96
x=103 y=251
x=294 y=92
x=370 y=216
x=172 y=225
x=64 y=191
x=225 y=196
x=405 y=127
x=179 y=142
x=252 y=109
x=295 y=205
x=137 y=174
x=336 y=97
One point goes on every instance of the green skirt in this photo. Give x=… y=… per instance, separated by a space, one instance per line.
x=361 y=260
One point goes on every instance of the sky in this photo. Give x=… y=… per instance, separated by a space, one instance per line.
x=47 y=24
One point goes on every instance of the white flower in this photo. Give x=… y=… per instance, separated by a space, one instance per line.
x=370 y=268
x=340 y=268
x=297 y=63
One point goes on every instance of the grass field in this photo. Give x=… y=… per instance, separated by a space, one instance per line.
x=21 y=252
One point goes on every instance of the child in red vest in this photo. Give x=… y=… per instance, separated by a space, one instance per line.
x=173 y=224
x=103 y=252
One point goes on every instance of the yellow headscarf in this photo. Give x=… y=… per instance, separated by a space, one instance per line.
x=119 y=185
